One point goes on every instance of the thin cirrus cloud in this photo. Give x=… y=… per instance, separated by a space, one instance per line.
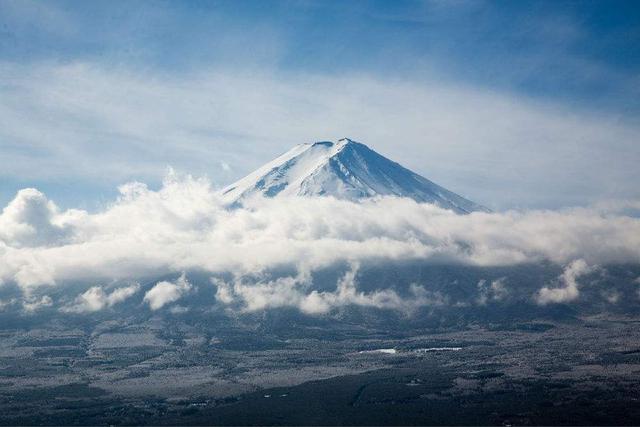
x=87 y=126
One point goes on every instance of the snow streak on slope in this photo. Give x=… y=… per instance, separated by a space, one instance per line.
x=345 y=170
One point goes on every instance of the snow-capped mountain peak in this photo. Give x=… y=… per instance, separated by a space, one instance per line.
x=346 y=170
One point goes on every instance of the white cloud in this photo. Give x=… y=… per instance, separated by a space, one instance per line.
x=347 y=294
x=121 y=294
x=96 y=299
x=293 y=292
x=32 y=220
x=569 y=280
x=183 y=226
x=165 y=292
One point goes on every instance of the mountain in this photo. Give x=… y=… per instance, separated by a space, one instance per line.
x=345 y=170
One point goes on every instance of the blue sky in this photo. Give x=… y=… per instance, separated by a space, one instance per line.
x=513 y=104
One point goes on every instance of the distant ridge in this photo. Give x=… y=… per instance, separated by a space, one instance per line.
x=346 y=170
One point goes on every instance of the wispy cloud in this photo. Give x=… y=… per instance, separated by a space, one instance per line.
x=494 y=291
x=95 y=125
x=569 y=287
x=32 y=304
x=294 y=292
x=96 y=299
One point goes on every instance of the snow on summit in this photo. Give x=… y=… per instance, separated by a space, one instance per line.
x=346 y=170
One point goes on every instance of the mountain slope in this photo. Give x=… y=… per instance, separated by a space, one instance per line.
x=345 y=170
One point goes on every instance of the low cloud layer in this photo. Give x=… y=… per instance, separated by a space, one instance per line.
x=183 y=226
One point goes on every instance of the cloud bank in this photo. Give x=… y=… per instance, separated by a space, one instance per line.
x=183 y=226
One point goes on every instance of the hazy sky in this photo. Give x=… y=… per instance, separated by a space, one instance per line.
x=512 y=104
